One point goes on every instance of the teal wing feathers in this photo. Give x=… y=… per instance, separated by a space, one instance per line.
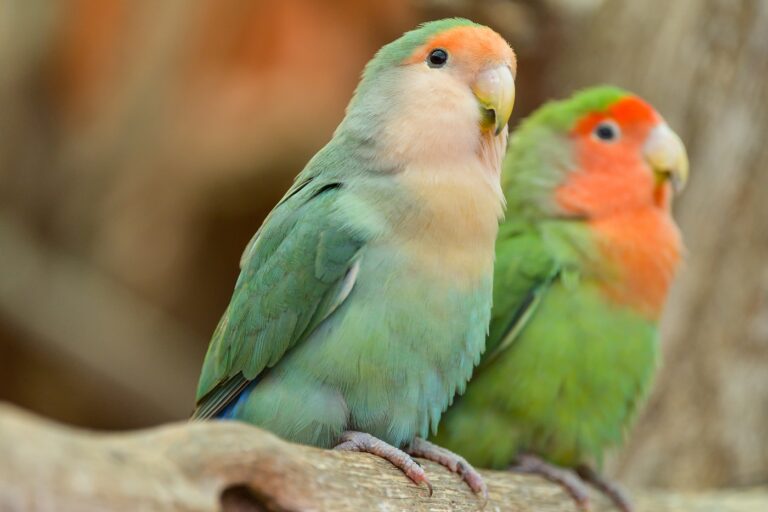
x=298 y=268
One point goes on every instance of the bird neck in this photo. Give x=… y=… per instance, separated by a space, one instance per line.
x=640 y=250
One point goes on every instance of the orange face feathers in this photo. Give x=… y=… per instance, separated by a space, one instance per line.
x=612 y=173
x=474 y=46
x=631 y=113
x=616 y=187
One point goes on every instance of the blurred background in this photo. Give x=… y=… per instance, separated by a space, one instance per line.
x=142 y=143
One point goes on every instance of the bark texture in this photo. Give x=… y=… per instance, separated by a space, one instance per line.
x=231 y=467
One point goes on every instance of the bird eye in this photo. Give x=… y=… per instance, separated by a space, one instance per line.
x=607 y=131
x=437 y=58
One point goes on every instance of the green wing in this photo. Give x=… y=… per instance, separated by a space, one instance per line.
x=296 y=271
x=524 y=270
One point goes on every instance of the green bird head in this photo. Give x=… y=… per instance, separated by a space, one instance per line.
x=601 y=151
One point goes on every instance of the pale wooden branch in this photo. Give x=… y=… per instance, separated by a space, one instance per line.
x=234 y=467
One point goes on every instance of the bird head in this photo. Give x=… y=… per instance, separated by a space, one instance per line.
x=602 y=151
x=437 y=91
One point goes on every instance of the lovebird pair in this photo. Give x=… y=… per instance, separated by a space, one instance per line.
x=364 y=300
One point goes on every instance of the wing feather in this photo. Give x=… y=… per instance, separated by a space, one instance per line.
x=298 y=268
x=524 y=270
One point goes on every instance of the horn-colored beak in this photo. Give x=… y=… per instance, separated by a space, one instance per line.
x=494 y=89
x=665 y=153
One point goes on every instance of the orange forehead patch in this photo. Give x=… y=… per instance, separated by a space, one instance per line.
x=628 y=111
x=479 y=45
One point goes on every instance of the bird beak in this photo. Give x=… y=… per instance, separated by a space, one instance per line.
x=665 y=153
x=494 y=89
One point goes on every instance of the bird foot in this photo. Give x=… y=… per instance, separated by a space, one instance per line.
x=453 y=462
x=612 y=491
x=569 y=481
x=352 y=441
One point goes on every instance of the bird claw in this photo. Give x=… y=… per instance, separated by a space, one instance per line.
x=613 y=492
x=532 y=465
x=363 y=442
x=453 y=462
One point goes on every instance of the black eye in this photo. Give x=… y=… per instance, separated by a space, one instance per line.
x=437 y=58
x=607 y=131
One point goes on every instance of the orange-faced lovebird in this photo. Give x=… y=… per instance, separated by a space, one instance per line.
x=584 y=261
x=363 y=301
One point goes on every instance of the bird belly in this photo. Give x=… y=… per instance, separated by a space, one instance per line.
x=387 y=362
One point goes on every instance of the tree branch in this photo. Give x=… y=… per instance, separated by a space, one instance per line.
x=234 y=467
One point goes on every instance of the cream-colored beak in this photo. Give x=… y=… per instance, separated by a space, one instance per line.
x=665 y=153
x=494 y=89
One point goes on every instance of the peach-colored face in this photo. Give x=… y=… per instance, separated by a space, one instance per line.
x=455 y=94
x=611 y=170
x=482 y=61
x=624 y=191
